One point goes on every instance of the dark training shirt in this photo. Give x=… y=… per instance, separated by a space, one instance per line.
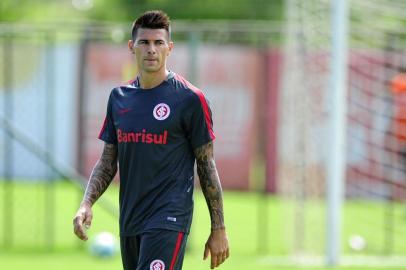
x=156 y=131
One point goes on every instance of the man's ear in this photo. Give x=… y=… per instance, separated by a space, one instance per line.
x=131 y=46
x=170 y=46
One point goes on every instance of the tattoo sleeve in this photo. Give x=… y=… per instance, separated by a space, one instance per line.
x=210 y=183
x=102 y=174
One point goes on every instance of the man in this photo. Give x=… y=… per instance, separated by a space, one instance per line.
x=398 y=90
x=155 y=128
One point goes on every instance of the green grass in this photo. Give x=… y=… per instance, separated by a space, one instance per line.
x=247 y=214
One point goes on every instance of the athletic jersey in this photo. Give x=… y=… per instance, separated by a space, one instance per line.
x=156 y=131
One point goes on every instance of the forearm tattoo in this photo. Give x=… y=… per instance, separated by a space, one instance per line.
x=210 y=183
x=102 y=174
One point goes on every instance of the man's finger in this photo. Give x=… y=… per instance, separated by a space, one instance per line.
x=206 y=252
x=214 y=262
x=78 y=228
x=223 y=257
x=219 y=260
x=88 y=220
x=228 y=252
x=80 y=233
x=77 y=220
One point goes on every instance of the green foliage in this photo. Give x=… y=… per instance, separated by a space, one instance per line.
x=212 y=9
x=128 y=10
x=38 y=11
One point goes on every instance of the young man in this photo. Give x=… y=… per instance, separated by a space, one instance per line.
x=155 y=128
x=398 y=128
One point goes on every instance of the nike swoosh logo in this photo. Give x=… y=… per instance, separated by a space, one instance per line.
x=123 y=111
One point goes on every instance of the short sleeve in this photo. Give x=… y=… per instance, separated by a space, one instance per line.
x=199 y=121
x=108 y=131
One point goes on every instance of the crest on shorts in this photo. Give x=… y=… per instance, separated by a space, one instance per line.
x=157 y=265
x=161 y=111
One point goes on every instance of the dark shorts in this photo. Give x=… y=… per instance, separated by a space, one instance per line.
x=153 y=250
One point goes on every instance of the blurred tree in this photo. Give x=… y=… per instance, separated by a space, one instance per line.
x=211 y=9
x=125 y=10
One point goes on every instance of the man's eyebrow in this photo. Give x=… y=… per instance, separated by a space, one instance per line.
x=144 y=39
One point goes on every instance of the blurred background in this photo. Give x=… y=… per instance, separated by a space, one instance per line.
x=266 y=67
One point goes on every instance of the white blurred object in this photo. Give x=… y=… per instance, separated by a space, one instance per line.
x=357 y=242
x=82 y=5
x=104 y=245
x=117 y=35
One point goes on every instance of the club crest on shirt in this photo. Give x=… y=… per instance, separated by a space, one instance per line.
x=161 y=111
x=157 y=265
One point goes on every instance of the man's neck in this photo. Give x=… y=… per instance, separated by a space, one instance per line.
x=151 y=80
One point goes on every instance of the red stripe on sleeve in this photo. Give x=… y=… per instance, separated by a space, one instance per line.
x=176 y=251
x=203 y=101
x=103 y=128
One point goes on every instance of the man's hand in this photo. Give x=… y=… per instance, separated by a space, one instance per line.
x=217 y=246
x=82 y=220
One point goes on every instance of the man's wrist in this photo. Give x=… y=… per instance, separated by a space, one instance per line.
x=218 y=228
x=86 y=203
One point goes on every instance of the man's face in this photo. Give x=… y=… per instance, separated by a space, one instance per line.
x=151 y=47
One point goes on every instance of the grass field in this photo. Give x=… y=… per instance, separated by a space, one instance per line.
x=252 y=247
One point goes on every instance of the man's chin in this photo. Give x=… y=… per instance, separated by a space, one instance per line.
x=151 y=69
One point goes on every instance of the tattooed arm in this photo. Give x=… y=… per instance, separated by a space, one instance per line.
x=100 y=178
x=210 y=183
x=102 y=174
x=217 y=244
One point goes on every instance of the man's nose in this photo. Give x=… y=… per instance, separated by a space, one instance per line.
x=151 y=49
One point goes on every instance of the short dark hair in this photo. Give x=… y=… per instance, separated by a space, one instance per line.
x=154 y=19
